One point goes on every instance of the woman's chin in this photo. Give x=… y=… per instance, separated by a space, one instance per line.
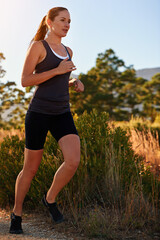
x=64 y=34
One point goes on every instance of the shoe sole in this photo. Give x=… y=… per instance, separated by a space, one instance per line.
x=16 y=232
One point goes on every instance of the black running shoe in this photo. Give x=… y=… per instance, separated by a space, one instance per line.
x=15 y=227
x=55 y=214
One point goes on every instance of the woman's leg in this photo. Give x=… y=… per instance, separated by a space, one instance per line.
x=32 y=160
x=70 y=146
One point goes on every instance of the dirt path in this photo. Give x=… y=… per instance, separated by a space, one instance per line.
x=38 y=226
x=34 y=227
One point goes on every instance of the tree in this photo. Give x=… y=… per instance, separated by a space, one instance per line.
x=132 y=92
x=101 y=83
x=151 y=102
x=11 y=96
x=110 y=86
x=2 y=71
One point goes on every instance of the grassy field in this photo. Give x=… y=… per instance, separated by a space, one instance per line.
x=116 y=189
x=144 y=137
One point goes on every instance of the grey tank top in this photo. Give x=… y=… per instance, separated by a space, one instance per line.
x=51 y=96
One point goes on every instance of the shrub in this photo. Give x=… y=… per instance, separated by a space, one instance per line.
x=110 y=174
x=11 y=162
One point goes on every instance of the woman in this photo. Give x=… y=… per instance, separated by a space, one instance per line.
x=48 y=65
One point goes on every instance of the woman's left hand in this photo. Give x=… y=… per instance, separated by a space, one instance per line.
x=78 y=86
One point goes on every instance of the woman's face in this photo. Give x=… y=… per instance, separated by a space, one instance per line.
x=61 y=24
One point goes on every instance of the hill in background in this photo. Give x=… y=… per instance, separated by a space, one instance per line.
x=146 y=73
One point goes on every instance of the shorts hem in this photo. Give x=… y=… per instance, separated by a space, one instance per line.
x=66 y=135
x=34 y=149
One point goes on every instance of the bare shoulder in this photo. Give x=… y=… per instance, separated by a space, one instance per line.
x=36 y=46
x=70 y=51
x=37 y=51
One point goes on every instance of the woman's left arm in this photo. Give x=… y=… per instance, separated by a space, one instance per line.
x=78 y=85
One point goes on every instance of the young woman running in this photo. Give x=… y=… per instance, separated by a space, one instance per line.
x=48 y=65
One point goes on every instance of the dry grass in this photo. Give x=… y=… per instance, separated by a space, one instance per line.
x=143 y=142
x=146 y=145
x=11 y=132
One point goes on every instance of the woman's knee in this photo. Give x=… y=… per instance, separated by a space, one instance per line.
x=73 y=162
x=29 y=173
x=32 y=161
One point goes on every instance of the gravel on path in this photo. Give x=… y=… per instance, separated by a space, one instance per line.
x=34 y=228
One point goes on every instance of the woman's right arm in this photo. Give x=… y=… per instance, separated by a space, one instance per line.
x=29 y=78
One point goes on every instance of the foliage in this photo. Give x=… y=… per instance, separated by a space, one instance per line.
x=2 y=71
x=111 y=189
x=110 y=86
x=14 y=99
x=110 y=176
x=107 y=161
x=151 y=101
x=11 y=162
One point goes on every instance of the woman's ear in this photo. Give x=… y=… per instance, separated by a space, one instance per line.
x=48 y=22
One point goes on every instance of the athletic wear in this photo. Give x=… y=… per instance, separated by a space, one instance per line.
x=49 y=108
x=38 y=124
x=59 y=56
x=54 y=212
x=15 y=227
x=51 y=96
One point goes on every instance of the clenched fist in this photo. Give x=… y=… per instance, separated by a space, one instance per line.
x=78 y=85
x=65 y=66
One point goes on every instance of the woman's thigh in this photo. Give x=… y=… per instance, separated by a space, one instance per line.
x=35 y=134
x=36 y=128
x=62 y=125
x=70 y=146
x=32 y=160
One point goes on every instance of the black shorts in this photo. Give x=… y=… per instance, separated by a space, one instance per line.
x=38 y=124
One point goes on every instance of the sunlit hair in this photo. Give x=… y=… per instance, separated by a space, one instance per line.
x=43 y=28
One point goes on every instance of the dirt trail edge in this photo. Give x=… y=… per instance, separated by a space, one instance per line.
x=34 y=227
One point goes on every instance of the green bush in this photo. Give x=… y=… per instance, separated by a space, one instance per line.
x=11 y=162
x=107 y=170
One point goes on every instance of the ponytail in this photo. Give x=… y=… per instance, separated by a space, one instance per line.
x=42 y=30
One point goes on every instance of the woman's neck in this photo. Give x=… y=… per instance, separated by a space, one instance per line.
x=53 y=39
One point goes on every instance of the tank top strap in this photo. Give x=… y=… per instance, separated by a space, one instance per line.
x=67 y=51
x=45 y=44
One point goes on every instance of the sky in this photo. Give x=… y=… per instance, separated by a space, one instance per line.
x=130 y=27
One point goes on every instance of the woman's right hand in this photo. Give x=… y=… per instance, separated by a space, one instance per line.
x=65 y=66
x=34 y=53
